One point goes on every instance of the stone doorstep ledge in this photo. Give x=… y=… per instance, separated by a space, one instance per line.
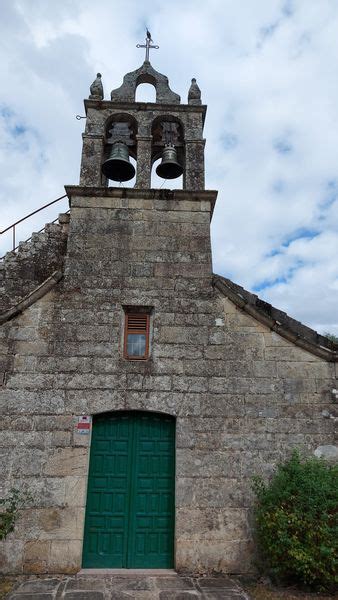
x=35 y=295
x=291 y=330
x=127 y=572
x=143 y=194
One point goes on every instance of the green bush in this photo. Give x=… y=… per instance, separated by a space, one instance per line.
x=297 y=525
x=9 y=508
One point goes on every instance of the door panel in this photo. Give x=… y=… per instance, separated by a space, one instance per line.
x=130 y=501
x=152 y=521
x=108 y=493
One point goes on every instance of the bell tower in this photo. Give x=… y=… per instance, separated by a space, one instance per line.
x=140 y=237
x=122 y=128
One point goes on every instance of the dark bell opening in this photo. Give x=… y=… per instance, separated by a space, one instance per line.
x=169 y=170
x=118 y=170
x=117 y=166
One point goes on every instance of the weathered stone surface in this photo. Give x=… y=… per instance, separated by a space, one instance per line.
x=66 y=461
x=39 y=586
x=242 y=395
x=209 y=493
x=11 y=553
x=89 y=583
x=26 y=401
x=181 y=595
x=229 y=556
x=36 y=555
x=225 y=524
x=115 y=587
x=65 y=556
x=329 y=452
x=174 y=583
x=217 y=583
x=34 y=596
x=61 y=523
x=84 y=595
x=30 y=266
x=47 y=491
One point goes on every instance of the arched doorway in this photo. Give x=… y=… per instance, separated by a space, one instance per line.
x=131 y=489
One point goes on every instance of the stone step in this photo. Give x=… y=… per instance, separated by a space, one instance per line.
x=22 y=271
x=24 y=246
x=63 y=218
x=9 y=256
x=52 y=228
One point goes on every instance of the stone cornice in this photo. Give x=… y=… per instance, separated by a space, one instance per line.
x=142 y=194
x=153 y=106
x=277 y=320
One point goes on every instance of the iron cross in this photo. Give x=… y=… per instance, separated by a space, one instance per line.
x=147 y=45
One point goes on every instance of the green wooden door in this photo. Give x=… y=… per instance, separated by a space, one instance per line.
x=130 y=500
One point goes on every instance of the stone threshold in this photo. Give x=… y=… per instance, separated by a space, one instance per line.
x=128 y=572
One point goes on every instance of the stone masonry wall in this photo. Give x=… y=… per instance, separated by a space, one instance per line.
x=34 y=261
x=23 y=271
x=243 y=397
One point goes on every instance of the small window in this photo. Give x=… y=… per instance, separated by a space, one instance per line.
x=136 y=336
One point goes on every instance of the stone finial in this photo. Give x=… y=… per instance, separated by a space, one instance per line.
x=96 y=89
x=194 y=94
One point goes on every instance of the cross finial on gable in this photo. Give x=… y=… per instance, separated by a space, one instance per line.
x=147 y=45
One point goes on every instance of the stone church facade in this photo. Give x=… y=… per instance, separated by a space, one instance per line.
x=189 y=383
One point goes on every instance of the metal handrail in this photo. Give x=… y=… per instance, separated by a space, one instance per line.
x=26 y=217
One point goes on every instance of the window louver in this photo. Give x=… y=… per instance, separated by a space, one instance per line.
x=137 y=322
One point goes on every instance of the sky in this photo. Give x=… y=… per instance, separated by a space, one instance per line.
x=268 y=71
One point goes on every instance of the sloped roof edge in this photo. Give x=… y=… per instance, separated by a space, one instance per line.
x=277 y=320
x=35 y=295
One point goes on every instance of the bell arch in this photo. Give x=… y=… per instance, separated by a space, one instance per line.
x=145 y=74
x=146 y=81
x=120 y=143
x=168 y=143
x=167 y=118
x=145 y=92
x=120 y=117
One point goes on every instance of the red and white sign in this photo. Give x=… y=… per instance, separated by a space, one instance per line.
x=83 y=425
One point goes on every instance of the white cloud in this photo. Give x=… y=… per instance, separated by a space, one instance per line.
x=267 y=71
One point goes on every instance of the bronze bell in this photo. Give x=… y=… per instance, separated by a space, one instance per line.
x=169 y=168
x=118 y=166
